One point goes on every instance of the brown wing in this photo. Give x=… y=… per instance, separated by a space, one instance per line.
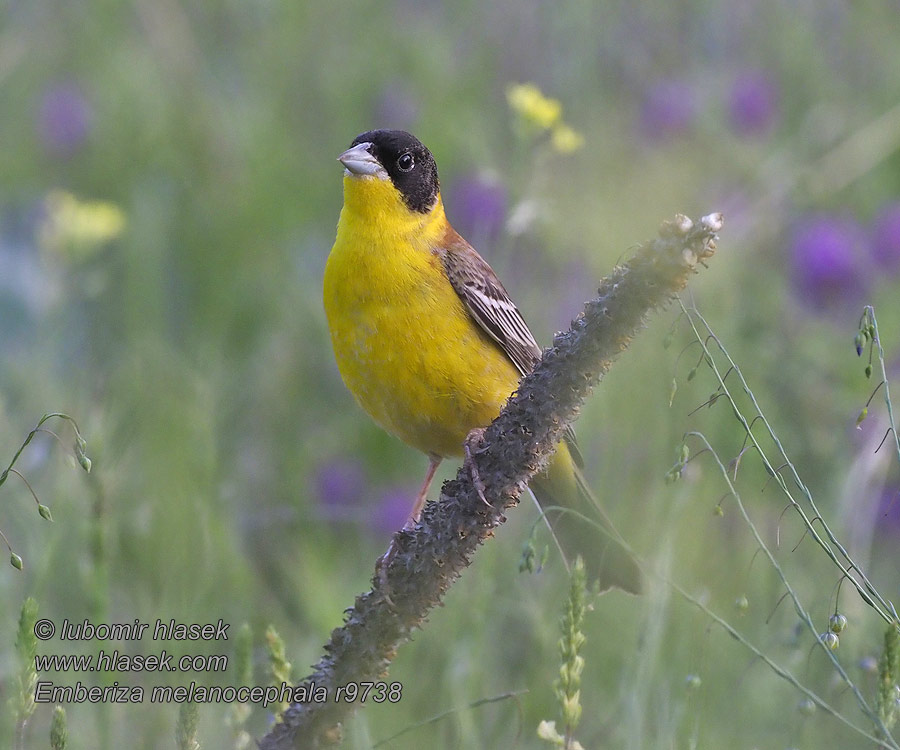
x=490 y=305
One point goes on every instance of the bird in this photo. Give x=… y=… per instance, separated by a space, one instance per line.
x=431 y=345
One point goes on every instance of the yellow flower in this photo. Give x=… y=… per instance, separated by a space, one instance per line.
x=565 y=139
x=527 y=100
x=78 y=228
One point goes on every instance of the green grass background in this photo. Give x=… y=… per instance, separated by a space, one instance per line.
x=193 y=349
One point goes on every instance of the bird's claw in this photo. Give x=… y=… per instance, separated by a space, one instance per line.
x=381 y=569
x=475 y=436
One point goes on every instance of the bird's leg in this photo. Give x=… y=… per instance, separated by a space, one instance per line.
x=412 y=519
x=475 y=436
x=414 y=514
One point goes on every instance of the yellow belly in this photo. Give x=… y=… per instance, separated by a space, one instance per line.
x=405 y=344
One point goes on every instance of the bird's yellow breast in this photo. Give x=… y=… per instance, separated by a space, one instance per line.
x=406 y=346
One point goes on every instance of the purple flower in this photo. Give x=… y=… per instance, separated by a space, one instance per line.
x=888 y=519
x=340 y=487
x=753 y=103
x=825 y=253
x=668 y=110
x=64 y=118
x=393 y=508
x=885 y=238
x=477 y=205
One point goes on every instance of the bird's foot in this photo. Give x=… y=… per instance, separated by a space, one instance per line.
x=381 y=569
x=473 y=439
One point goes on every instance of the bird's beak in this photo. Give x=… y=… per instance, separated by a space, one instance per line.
x=359 y=161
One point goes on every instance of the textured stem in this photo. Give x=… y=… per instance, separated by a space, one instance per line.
x=514 y=447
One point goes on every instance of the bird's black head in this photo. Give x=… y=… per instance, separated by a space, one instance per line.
x=409 y=165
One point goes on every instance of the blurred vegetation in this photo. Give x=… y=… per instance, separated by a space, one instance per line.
x=169 y=198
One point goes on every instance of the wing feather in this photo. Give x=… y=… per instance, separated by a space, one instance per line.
x=490 y=305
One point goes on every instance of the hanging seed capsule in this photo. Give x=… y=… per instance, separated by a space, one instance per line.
x=837 y=623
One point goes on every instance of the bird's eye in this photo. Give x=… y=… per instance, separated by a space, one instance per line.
x=406 y=162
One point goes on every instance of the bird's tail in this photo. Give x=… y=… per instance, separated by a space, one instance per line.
x=561 y=490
